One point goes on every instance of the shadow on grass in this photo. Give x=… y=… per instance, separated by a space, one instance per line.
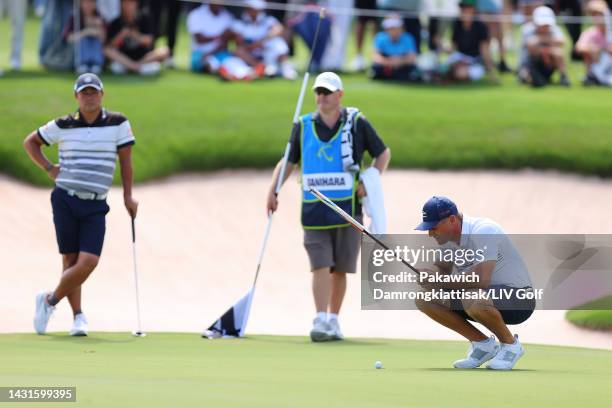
x=476 y=370
x=91 y=339
x=305 y=340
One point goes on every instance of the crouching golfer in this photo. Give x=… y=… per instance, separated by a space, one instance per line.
x=499 y=267
x=89 y=142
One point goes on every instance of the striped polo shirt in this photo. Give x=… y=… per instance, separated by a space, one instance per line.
x=87 y=151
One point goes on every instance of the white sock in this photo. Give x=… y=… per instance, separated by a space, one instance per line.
x=322 y=316
x=332 y=316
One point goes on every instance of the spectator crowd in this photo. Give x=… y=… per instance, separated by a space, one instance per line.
x=250 y=39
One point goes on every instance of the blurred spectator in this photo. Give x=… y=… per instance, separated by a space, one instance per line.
x=528 y=6
x=209 y=27
x=394 y=52
x=544 y=41
x=595 y=45
x=335 y=52
x=470 y=60
x=171 y=9
x=87 y=32
x=494 y=9
x=411 y=9
x=17 y=13
x=359 y=62
x=53 y=51
x=573 y=8
x=305 y=25
x=259 y=39
x=130 y=43
x=109 y=9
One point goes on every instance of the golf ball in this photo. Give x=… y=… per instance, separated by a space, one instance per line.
x=378 y=365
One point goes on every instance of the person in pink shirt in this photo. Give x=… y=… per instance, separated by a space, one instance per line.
x=595 y=45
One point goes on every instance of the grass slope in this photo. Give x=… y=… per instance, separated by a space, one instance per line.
x=115 y=369
x=186 y=122
x=600 y=317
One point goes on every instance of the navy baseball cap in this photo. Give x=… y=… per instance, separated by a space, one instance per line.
x=88 y=80
x=435 y=210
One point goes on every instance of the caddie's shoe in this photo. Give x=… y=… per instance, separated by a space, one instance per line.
x=79 y=326
x=507 y=356
x=478 y=353
x=334 y=330
x=320 y=331
x=42 y=314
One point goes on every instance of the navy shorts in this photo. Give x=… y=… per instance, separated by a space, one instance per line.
x=512 y=310
x=80 y=225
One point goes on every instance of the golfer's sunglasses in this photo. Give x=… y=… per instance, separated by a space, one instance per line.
x=323 y=91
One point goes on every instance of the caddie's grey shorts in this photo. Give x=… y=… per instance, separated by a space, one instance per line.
x=336 y=248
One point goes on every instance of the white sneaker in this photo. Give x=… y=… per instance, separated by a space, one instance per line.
x=42 y=314
x=79 y=326
x=507 y=356
x=358 y=63
x=334 y=330
x=478 y=353
x=320 y=331
x=271 y=70
x=150 y=68
x=169 y=63
x=117 y=68
x=287 y=71
x=81 y=69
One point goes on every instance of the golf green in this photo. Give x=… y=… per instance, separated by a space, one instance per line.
x=162 y=370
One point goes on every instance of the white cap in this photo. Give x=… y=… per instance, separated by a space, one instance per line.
x=392 y=21
x=255 y=4
x=544 y=16
x=328 y=80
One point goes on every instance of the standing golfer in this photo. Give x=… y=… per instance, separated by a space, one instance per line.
x=330 y=144
x=500 y=270
x=89 y=142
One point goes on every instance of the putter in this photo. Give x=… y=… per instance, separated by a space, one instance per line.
x=354 y=223
x=138 y=332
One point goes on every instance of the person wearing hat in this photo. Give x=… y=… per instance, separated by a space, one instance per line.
x=330 y=145
x=90 y=140
x=595 y=45
x=395 y=51
x=500 y=268
x=471 y=58
x=544 y=43
x=259 y=40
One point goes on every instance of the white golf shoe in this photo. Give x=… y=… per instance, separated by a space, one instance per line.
x=42 y=314
x=320 y=331
x=334 y=330
x=479 y=353
x=507 y=356
x=79 y=326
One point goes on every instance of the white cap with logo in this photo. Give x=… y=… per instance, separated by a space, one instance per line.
x=329 y=81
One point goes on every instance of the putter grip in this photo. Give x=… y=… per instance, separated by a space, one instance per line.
x=133 y=230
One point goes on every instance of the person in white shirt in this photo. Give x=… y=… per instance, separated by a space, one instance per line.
x=500 y=270
x=259 y=41
x=209 y=27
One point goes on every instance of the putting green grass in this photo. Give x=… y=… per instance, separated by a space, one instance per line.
x=595 y=315
x=187 y=122
x=162 y=370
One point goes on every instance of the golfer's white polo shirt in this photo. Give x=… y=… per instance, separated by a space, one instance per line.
x=87 y=152
x=486 y=235
x=202 y=21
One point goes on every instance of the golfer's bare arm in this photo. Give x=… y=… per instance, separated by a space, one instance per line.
x=33 y=146
x=484 y=270
x=127 y=179
x=381 y=162
x=272 y=201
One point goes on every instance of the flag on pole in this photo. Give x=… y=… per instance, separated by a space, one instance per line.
x=233 y=322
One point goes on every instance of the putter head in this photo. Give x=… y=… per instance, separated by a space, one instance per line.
x=138 y=333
